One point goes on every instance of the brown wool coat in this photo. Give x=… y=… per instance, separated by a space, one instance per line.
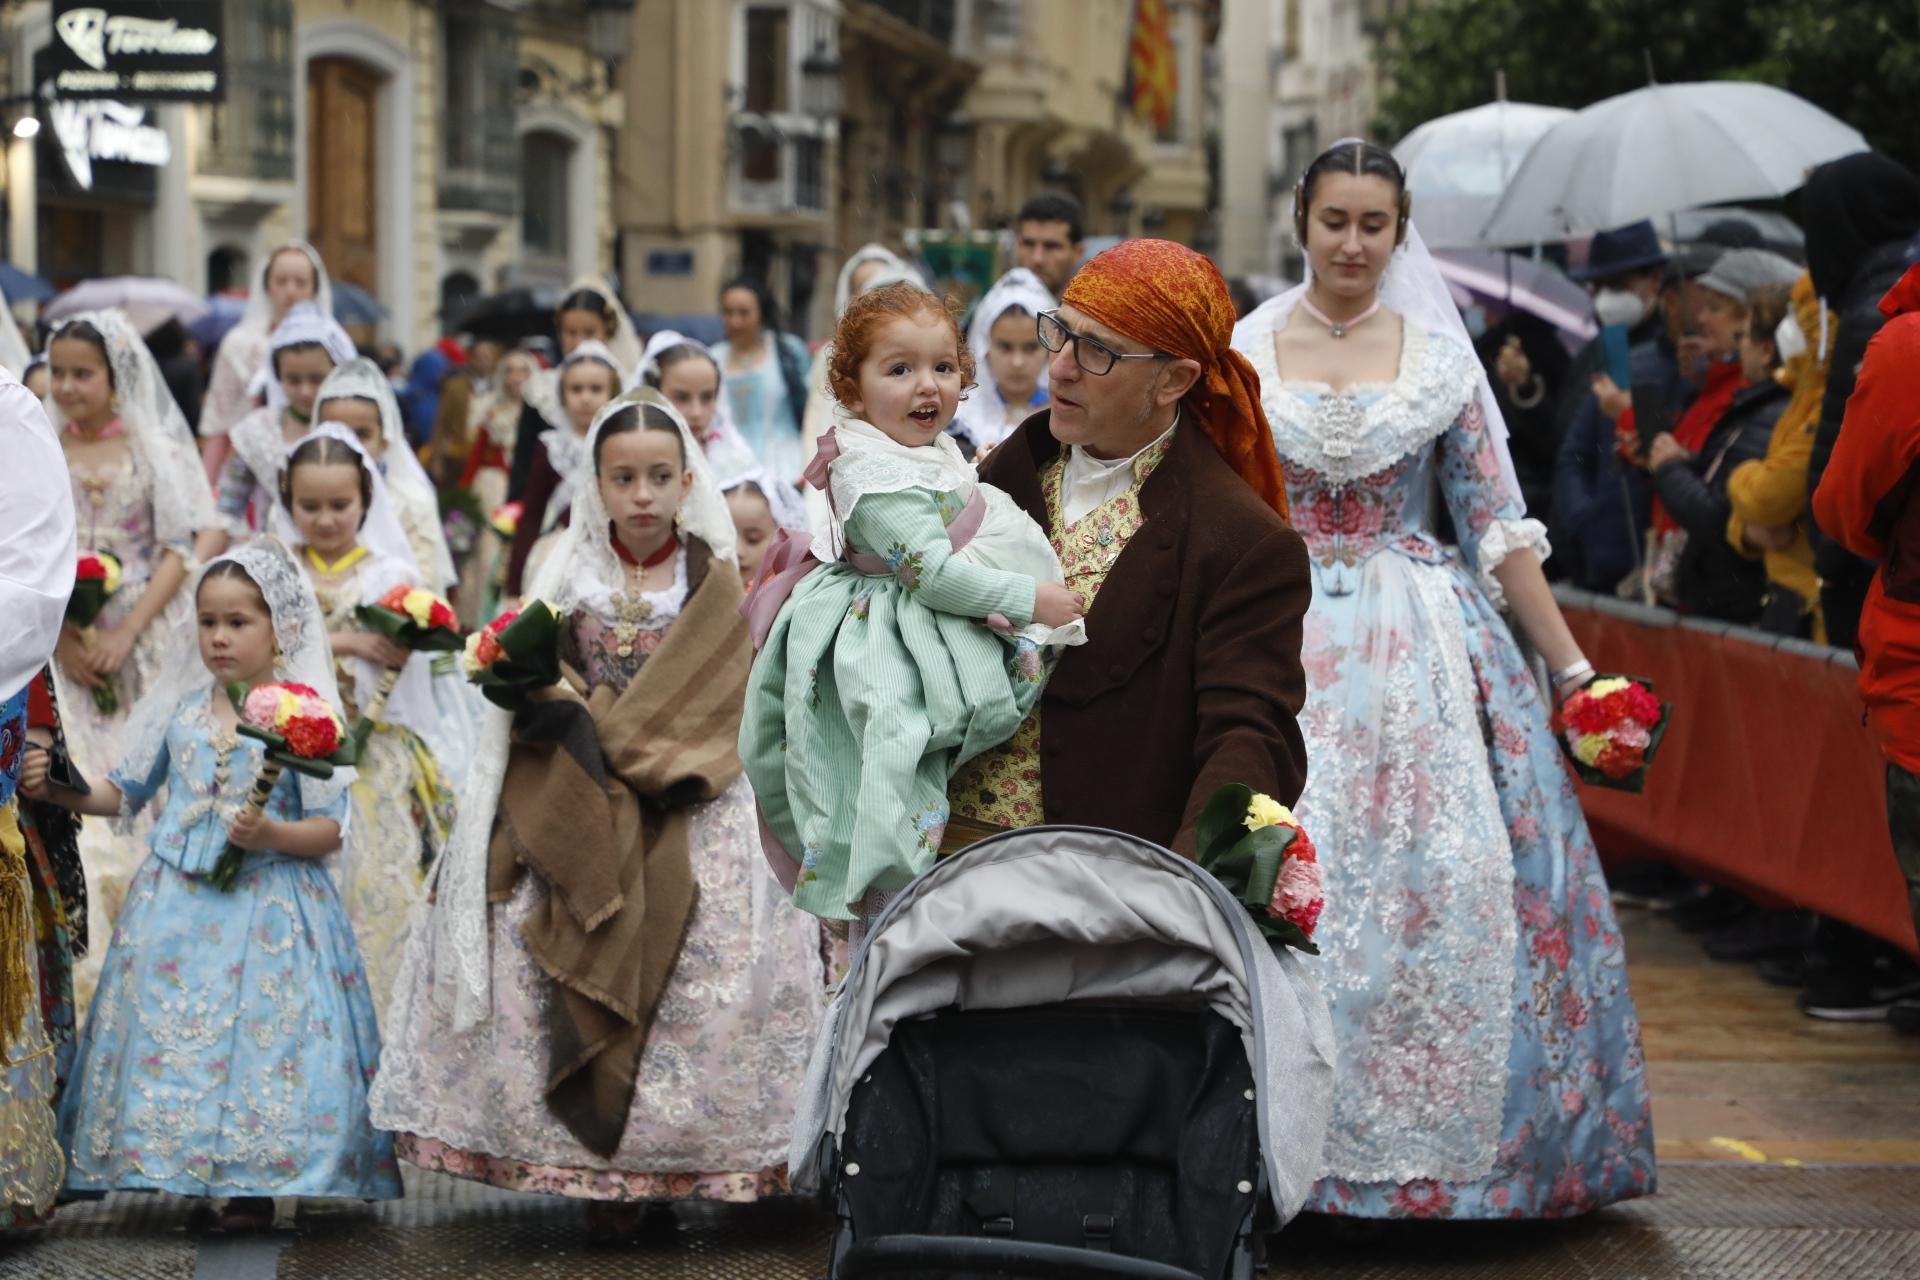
x=1191 y=676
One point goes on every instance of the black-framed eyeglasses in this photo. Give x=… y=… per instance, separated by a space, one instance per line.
x=1091 y=354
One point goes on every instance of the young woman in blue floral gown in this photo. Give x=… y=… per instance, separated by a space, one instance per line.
x=1489 y=1052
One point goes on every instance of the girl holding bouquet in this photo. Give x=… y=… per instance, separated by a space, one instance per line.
x=1489 y=1059
x=353 y=551
x=230 y=1045
x=140 y=496
x=621 y=806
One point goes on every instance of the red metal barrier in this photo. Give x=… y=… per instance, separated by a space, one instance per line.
x=1768 y=781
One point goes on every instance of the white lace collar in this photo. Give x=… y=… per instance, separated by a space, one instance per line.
x=873 y=462
x=1351 y=434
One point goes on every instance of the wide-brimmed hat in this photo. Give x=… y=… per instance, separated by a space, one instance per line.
x=1630 y=248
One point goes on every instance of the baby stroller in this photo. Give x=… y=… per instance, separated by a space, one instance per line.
x=1065 y=1052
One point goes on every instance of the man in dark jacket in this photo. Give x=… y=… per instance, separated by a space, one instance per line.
x=1600 y=506
x=1196 y=587
x=1860 y=213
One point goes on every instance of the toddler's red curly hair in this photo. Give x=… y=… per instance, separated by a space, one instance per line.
x=868 y=314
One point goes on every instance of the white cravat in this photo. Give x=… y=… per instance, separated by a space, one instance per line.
x=1090 y=481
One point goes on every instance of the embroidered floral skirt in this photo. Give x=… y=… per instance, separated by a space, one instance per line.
x=712 y=1108
x=1489 y=1061
x=231 y=1044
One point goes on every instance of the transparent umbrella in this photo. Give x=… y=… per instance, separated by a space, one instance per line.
x=1668 y=147
x=149 y=301
x=1459 y=165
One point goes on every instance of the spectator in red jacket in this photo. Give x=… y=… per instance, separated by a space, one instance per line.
x=1869 y=502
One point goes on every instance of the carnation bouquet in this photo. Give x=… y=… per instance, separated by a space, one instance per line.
x=1610 y=729
x=414 y=619
x=515 y=655
x=301 y=732
x=505 y=519
x=1251 y=844
x=96 y=578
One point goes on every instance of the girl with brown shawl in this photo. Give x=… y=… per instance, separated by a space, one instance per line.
x=606 y=995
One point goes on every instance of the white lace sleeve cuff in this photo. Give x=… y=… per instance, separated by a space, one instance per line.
x=1502 y=539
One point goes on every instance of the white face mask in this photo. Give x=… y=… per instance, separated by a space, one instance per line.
x=1619 y=306
x=1790 y=339
x=1475 y=318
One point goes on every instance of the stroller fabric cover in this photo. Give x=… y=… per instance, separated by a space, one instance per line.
x=1079 y=916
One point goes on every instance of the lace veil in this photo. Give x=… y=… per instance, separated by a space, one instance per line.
x=981 y=415
x=157 y=431
x=258 y=317
x=304 y=657
x=1412 y=286
x=583 y=572
x=728 y=453
x=304 y=322
x=843 y=285
x=413 y=492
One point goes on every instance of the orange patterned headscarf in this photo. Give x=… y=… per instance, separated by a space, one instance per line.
x=1174 y=300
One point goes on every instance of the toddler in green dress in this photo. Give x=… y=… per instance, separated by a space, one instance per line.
x=922 y=640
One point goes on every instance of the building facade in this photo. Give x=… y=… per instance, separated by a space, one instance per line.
x=774 y=137
x=433 y=150
x=1294 y=76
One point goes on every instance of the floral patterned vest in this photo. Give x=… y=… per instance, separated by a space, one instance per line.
x=1001 y=787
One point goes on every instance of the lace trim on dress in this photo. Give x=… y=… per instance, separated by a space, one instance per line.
x=1345 y=439
x=1502 y=539
x=1423 y=1071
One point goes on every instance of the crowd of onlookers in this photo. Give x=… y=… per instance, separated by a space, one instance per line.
x=1692 y=486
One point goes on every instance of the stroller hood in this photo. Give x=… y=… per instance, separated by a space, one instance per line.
x=1053 y=914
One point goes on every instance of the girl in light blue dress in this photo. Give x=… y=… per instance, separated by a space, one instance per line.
x=231 y=1044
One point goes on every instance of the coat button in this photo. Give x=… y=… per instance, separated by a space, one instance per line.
x=1149 y=636
x=1116 y=672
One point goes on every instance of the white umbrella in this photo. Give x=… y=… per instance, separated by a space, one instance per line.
x=1459 y=165
x=1665 y=148
x=149 y=301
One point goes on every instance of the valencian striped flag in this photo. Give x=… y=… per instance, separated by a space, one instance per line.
x=1152 y=74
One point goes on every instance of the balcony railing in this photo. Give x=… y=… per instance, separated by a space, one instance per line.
x=775 y=171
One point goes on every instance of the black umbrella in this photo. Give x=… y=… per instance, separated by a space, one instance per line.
x=512 y=314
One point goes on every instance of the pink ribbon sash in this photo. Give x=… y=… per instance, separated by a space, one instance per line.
x=791 y=557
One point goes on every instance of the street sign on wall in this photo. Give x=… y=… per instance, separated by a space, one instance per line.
x=140 y=50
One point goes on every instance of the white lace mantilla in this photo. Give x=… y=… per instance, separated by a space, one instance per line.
x=1346 y=440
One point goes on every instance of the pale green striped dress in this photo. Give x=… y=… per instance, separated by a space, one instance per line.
x=872 y=690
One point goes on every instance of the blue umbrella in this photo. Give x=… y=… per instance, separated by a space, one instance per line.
x=353 y=305
x=23 y=286
x=224 y=311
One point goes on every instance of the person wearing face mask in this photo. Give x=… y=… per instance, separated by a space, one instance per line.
x=1600 y=505
x=1769 y=495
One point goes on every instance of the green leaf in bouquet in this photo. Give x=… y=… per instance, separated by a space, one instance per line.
x=85 y=604
x=276 y=745
x=530 y=658
x=399 y=627
x=1223 y=822
x=1266 y=850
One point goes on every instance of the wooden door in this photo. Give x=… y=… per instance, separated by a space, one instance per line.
x=343 y=99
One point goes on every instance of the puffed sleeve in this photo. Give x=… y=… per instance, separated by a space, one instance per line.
x=1487 y=516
